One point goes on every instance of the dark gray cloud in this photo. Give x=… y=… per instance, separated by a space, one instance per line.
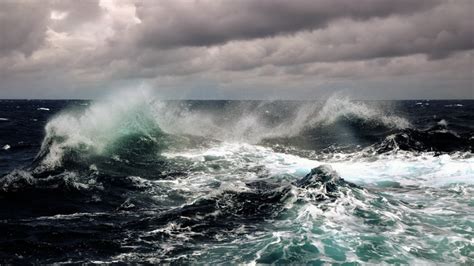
x=204 y=23
x=436 y=33
x=225 y=48
x=22 y=26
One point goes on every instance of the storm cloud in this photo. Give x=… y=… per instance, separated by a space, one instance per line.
x=204 y=23
x=237 y=49
x=22 y=27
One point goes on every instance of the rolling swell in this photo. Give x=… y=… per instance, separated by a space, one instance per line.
x=438 y=128
x=371 y=130
x=436 y=139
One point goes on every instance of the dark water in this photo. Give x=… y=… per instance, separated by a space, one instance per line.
x=133 y=179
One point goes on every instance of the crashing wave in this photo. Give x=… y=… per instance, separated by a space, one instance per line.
x=98 y=129
x=130 y=118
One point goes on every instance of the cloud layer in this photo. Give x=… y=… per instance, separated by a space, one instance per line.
x=238 y=49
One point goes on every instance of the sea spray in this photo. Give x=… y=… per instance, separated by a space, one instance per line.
x=252 y=122
x=96 y=127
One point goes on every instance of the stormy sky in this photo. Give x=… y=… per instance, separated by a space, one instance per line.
x=238 y=49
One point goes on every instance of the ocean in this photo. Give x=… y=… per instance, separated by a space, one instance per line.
x=134 y=179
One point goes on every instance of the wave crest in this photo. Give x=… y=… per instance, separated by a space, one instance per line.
x=96 y=129
x=337 y=107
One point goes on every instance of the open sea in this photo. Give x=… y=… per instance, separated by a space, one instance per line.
x=134 y=179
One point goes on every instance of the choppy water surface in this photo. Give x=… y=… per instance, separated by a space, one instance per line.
x=135 y=179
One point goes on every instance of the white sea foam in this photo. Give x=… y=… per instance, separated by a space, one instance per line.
x=419 y=170
x=443 y=122
x=405 y=168
x=20 y=179
x=69 y=216
x=433 y=189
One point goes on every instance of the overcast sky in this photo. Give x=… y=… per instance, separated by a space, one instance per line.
x=238 y=49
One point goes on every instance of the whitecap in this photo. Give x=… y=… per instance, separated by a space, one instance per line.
x=443 y=122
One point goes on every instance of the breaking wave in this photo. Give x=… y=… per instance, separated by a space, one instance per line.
x=252 y=122
x=131 y=117
x=99 y=129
